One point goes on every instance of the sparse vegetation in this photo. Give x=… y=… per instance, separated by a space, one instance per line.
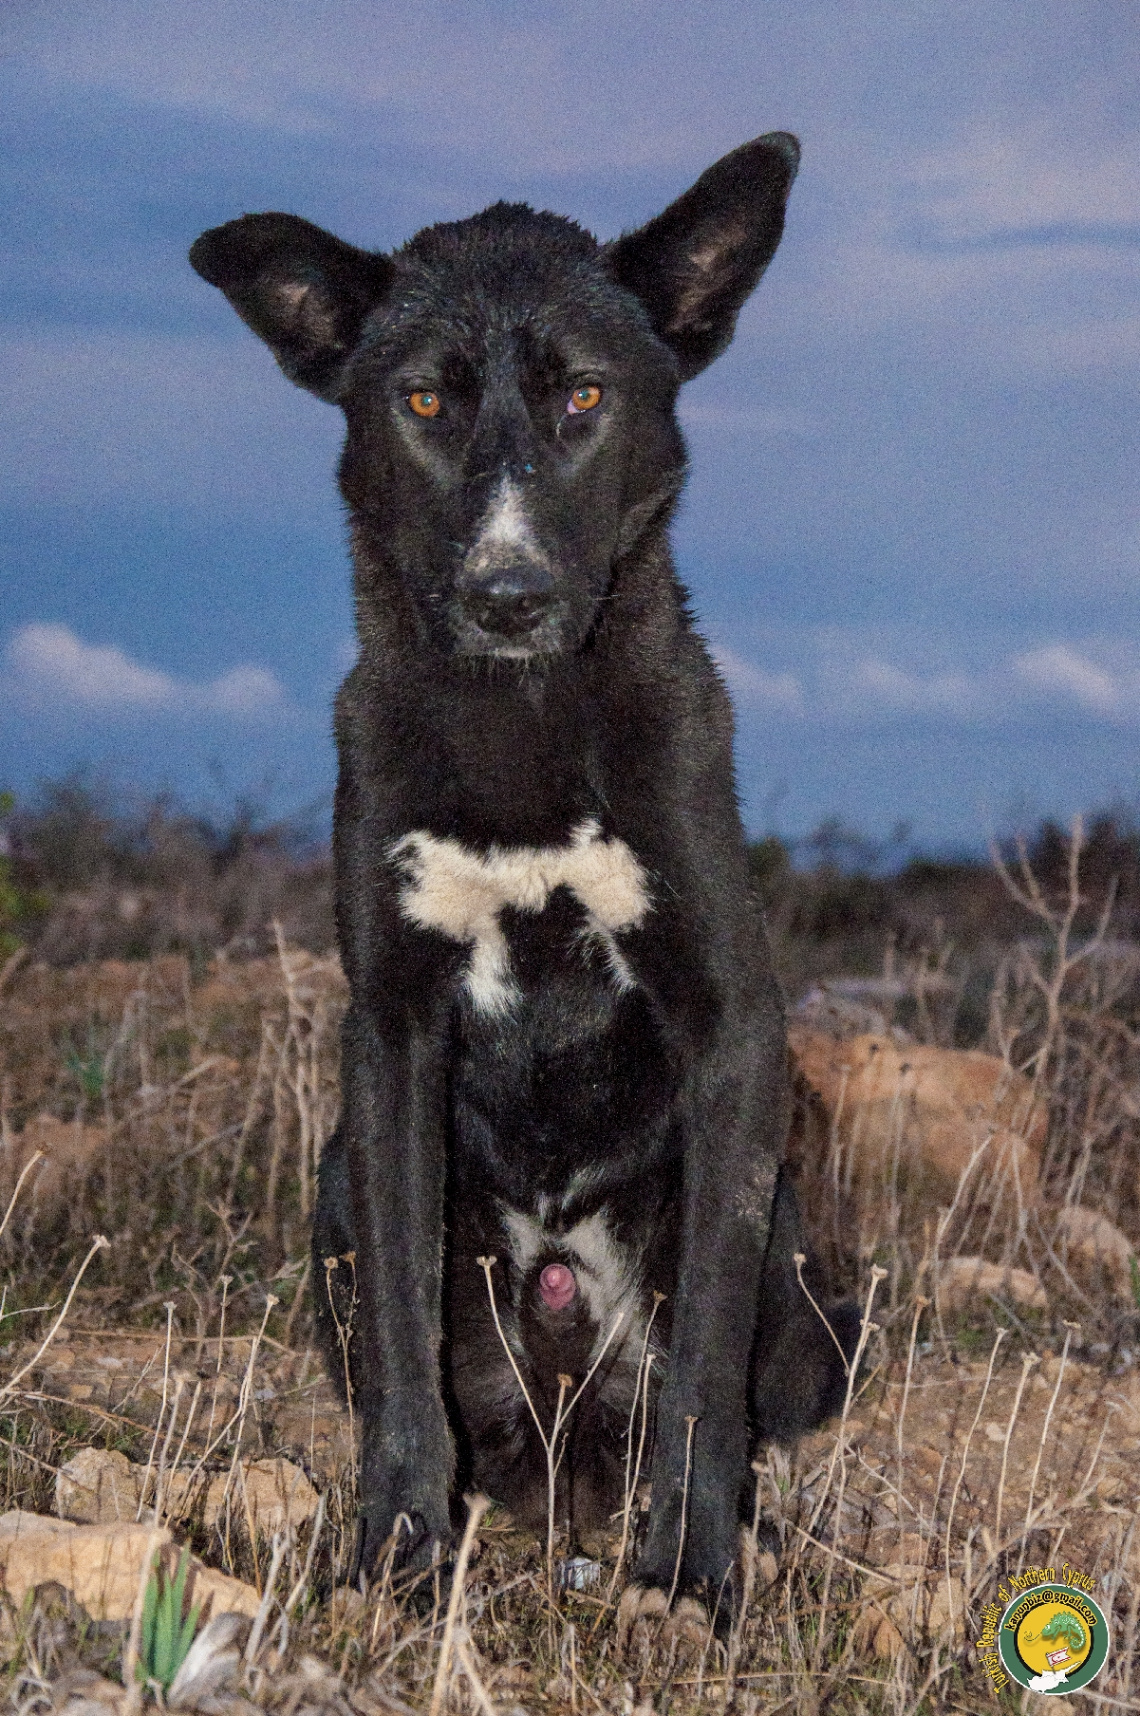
x=168 y=1625
x=95 y=874
x=180 y=1102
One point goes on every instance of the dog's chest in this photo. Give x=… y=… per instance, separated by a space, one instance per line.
x=473 y=898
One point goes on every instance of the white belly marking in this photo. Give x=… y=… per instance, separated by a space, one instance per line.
x=609 y=1273
x=449 y=888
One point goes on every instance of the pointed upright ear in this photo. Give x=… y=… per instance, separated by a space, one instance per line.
x=303 y=291
x=694 y=265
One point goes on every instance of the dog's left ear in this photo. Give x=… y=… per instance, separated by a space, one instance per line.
x=695 y=264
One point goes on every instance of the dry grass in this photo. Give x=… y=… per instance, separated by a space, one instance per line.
x=182 y=1115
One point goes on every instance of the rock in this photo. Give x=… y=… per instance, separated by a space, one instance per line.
x=101 y=1565
x=70 y=1150
x=98 y=1486
x=346 y=1606
x=887 y=1641
x=946 y=1609
x=316 y=1689
x=212 y=1665
x=1096 y=1242
x=848 y=1008
x=965 y=1281
x=322 y=1436
x=277 y=1492
x=935 y=1107
x=928 y=1460
x=1126 y=1392
x=82 y=1692
x=910 y=1593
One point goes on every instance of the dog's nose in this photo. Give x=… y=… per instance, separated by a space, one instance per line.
x=511 y=600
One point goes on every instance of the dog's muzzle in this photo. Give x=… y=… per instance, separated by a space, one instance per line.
x=508 y=601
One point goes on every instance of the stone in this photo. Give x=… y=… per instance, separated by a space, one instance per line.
x=911 y=1592
x=277 y=1492
x=70 y=1149
x=930 y=1109
x=946 y=1610
x=101 y=1565
x=1088 y=1237
x=97 y=1486
x=963 y=1282
x=86 y=1683
x=82 y=1692
x=212 y=1665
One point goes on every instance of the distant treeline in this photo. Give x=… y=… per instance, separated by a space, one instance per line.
x=833 y=907
x=94 y=874
x=88 y=874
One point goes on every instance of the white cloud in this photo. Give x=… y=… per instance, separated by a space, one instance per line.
x=754 y=685
x=1058 y=669
x=47 y=662
x=245 y=690
x=1002 y=181
x=839 y=677
x=421 y=72
x=889 y=687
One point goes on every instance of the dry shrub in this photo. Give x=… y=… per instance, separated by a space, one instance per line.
x=98 y=874
x=1023 y=1158
x=184 y=1118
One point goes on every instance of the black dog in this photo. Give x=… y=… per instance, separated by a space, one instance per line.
x=565 y=1045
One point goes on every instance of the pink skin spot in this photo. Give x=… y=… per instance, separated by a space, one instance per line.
x=557 y=1286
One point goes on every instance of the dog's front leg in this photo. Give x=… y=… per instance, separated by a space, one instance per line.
x=394 y=1095
x=734 y=1116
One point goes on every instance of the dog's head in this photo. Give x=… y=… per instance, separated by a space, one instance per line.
x=509 y=387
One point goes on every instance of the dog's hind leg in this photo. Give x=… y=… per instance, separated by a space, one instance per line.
x=333 y=1263
x=800 y=1358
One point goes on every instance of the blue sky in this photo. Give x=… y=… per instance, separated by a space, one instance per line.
x=911 y=532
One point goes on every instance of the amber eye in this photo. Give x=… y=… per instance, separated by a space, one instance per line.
x=424 y=403
x=584 y=399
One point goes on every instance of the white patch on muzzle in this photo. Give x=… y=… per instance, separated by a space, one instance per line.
x=504 y=526
x=449 y=888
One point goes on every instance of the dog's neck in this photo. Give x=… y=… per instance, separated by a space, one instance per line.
x=549 y=728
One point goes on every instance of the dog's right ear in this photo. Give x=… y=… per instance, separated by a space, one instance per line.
x=306 y=293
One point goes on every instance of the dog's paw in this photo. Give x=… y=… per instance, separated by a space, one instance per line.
x=645 y=1618
x=408 y=1555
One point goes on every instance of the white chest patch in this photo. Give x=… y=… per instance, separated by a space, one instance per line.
x=449 y=888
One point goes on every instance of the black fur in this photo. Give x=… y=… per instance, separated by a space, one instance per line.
x=610 y=1092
